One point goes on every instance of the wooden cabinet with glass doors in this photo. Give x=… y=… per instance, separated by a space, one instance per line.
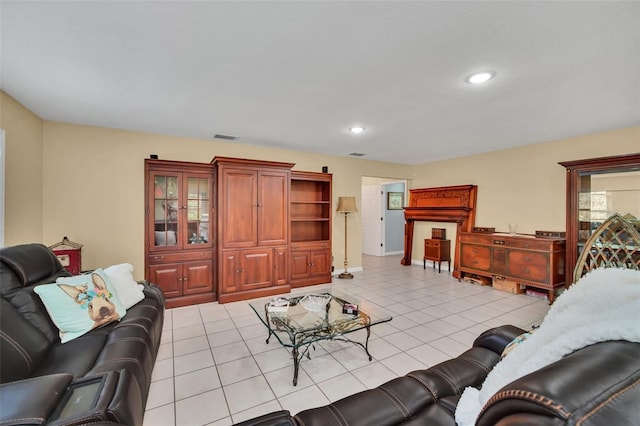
x=597 y=188
x=179 y=242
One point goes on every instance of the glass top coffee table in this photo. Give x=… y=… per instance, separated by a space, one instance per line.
x=315 y=317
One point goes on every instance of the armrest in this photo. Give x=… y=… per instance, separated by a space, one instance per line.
x=496 y=339
x=277 y=418
x=595 y=385
x=31 y=400
x=152 y=290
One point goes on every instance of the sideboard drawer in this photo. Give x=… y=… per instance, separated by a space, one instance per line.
x=530 y=244
x=476 y=257
x=529 y=265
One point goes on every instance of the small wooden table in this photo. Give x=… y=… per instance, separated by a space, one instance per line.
x=437 y=251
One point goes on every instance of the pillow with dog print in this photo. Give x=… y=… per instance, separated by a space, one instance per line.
x=81 y=303
x=121 y=279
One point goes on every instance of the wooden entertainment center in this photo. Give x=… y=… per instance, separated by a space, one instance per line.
x=235 y=229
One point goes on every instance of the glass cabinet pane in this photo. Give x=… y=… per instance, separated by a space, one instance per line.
x=602 y=194
x=165 y=210
x=198 y=231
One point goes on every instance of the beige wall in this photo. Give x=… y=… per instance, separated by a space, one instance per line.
x=23 y=168
x=94 y=186
x=524 y=185
x=88 y=183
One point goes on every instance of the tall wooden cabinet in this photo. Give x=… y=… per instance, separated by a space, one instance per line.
x=252 y=227
x=310 y=228
x=179 y=239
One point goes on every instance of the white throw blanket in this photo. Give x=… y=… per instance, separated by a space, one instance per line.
x=603 y=305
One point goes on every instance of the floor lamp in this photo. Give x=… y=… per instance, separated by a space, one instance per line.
x=346 y=205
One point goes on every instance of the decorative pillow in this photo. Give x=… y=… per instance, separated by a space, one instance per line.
x=79 y=304
x=128 y=289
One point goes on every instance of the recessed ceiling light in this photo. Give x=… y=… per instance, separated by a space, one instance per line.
x=480 y=77
x=356 y=130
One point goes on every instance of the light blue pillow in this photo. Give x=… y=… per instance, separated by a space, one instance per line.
x=81 y=303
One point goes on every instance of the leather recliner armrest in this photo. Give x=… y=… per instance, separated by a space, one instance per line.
x=595 y=385
x=31 y=401
x=496 y=339
x=277 y=418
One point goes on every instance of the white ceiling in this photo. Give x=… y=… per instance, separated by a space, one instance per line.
x=297 y=74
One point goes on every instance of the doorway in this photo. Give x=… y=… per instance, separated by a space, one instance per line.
x=382 y=227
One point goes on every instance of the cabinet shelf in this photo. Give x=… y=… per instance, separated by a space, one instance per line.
x=319 y=240
x=310 y=202
x=310 y=209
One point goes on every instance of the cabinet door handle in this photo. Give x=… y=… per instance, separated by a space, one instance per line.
x=526 y=271
x=158 y=258
x=527 y=259
x=184 y=279
x=499 y=242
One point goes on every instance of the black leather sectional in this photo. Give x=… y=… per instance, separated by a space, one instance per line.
x=597 y=385
x=100 y=377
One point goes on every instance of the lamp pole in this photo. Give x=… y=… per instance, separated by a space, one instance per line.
x=346 y=205
x=346 y=274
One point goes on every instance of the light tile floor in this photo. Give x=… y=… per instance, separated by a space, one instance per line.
x=214 y=367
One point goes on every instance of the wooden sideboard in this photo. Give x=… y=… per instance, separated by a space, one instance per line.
x=535 y=262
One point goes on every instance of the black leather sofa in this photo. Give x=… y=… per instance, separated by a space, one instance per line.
x=596 y=385
x=100 y=377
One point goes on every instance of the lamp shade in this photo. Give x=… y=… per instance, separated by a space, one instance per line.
x=347 y=205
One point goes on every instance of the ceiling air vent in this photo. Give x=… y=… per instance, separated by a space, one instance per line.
x=357 y=154
x=225 y=137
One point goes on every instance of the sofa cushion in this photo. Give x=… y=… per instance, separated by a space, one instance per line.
x=30 y=306
x=22 y=346
x=76 y=357
x=81 y=303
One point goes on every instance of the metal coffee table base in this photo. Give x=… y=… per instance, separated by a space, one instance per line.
x=297 y=354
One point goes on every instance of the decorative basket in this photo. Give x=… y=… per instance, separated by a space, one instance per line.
x=315 y=302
